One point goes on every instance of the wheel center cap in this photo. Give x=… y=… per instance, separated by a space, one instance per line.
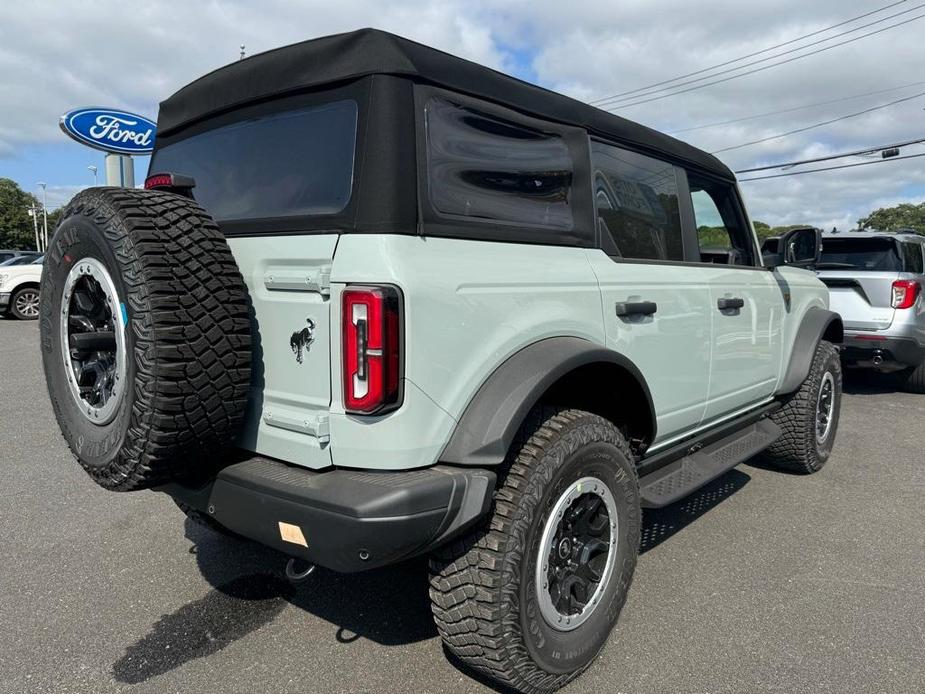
x=565 y=548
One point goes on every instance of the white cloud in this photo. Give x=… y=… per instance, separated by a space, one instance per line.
x=110 y=53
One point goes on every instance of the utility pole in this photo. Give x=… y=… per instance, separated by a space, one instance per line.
x=33 y=212
x=44 y=213
x=92 y=170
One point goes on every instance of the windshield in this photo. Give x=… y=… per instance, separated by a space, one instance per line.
x=287 y=164
x=860 y=254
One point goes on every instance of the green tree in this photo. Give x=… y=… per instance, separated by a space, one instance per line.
x=904 y=216
x=16 y=230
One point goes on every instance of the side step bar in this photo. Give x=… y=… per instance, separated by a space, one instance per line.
x=678 y=479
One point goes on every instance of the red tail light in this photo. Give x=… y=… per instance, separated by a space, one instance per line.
x=905 y=292
x=372 y=349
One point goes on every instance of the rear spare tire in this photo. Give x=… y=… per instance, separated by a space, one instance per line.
x=145 y=336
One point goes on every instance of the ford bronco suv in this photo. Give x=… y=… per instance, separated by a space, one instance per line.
x=379 y=302
x=875 y=282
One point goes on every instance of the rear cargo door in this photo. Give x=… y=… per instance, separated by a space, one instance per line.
x=859 y=273
x=862 y=299
x=288 y=280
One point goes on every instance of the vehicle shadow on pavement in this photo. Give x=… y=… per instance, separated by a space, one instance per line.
x=249 y=591
x=862 y=382
x=388 y=606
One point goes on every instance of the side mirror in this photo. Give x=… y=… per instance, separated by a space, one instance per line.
x=801 y=247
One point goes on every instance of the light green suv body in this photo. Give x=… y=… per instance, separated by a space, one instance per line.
x=471 y=305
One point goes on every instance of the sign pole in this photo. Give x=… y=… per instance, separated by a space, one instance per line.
x=120 y=171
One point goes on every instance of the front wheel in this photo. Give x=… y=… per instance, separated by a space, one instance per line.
x=809 y=419
x=530 y=599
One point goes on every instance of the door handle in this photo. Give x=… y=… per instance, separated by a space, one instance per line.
x=636 y=308
x=734 y=303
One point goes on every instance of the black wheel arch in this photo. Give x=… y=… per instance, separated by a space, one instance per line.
x=817 y=324
x=566 y=371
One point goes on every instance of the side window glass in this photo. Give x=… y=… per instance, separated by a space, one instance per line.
x=912 y=253
x=483 y=168
x=722 y=237
x=637 y=204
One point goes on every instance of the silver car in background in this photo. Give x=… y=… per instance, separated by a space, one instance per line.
x=875 y=282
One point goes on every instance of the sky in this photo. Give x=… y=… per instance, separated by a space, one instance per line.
x=55 y=56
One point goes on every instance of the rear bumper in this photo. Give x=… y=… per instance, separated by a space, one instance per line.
x=349 y=520
x=884 y=353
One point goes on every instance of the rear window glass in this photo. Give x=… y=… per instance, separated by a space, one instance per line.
x=483 y=168
x=637 y=204
x=288 y=164
x=912 y=255
x=860 y=254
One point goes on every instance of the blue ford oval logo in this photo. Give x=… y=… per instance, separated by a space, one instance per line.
x=110 y=130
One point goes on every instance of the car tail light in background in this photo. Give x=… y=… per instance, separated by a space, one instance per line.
x=905 y=292
x=372 y=324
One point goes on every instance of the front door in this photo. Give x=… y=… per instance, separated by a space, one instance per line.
x=746 y=302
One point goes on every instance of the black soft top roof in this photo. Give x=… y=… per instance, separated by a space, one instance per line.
x=341 y=58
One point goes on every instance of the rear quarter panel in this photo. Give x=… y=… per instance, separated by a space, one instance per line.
x=469 y=305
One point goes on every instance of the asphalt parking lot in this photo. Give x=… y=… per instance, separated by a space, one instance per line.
x=762 y=582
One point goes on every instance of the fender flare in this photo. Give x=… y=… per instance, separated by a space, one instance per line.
x=817 y=323
x=490 y=421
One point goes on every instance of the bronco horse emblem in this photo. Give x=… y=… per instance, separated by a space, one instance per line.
x=302 y=340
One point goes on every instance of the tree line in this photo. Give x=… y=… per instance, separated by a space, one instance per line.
x=16 y=226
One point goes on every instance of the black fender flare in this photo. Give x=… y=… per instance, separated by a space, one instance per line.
x=817 y=324
x=489 y=423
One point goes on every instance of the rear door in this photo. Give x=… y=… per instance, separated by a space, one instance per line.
x=859 y=273
x=655 y=306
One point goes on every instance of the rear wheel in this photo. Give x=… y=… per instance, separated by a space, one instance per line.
x=530 y=599
x=24 y=304
x=809 y=419
x=914 y=379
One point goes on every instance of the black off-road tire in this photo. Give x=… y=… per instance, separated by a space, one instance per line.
x=187 y=336
x=798 y=448
x=913 y=380
x=483 y=590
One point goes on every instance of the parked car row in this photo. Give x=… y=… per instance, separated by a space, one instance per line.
x=20 y=277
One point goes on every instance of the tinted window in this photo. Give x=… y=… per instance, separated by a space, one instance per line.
x=637 y=204
x=860 y=254
x=912 y=254
x=484 y=168
x=282 y=165
x=721 y=233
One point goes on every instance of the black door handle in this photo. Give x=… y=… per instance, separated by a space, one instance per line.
x=730 y=304
x=636 y=308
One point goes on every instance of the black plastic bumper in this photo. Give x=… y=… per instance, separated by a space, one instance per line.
x=887 y=354
x=348 y=520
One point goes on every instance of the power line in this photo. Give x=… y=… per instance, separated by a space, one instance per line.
x=818 y=125
x=793 y=109
x=749 y=55
x=767 y=67
x=831 y=168
x=829 y=157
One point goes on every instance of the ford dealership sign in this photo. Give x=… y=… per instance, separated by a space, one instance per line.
x=110 y=130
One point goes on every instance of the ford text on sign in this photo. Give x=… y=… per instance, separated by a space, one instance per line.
x=110 y=130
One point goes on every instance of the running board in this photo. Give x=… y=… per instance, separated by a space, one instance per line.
x=678 y=479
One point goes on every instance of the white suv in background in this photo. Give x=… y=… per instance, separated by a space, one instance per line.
x=19 y=289
x=875 y=282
